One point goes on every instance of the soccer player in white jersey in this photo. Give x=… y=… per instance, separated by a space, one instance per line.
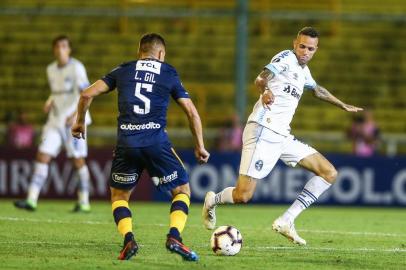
x=67 y=78
x=267 y=136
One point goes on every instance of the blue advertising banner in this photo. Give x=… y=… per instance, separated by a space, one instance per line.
x=378 y=181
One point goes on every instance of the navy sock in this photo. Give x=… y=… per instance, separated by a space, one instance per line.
x=128 y=237
x=174 y=232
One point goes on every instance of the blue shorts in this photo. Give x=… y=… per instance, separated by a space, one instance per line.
x=160 y=160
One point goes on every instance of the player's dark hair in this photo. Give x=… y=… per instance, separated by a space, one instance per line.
x=60 y=38
x=308 y=31
x=148 y=41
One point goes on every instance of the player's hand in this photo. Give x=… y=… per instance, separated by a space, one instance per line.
x=79 y=131
x=351 y=108
x=267 y=98
x=202 y=155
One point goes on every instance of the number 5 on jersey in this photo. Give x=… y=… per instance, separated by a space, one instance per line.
x=147 y=102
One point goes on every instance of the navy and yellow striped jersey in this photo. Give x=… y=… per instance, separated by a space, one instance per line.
x=144 y=87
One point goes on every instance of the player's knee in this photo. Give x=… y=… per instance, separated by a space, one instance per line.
x=78 y=163
x=329 y=174
x=241 y=197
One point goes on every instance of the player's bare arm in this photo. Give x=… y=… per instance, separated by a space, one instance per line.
x=195 y=125
x=86 y=97
x=261 y=82
x=48 y=104
x=323 y=94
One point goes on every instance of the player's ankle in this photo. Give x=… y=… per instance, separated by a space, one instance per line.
x=174 y=233
x=128 y=237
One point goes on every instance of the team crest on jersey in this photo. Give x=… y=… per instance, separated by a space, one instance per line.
x=259 y=164
x=148 y=65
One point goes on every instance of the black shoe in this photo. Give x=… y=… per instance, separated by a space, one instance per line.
x=176 y=245
x=81 y=208
x=130 y=249
x=23 y=204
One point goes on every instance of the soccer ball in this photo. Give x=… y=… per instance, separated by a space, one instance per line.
x=226 y=240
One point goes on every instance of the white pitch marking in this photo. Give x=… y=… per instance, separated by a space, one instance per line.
x=294 y=249
x=390 y=250
x=17 y=219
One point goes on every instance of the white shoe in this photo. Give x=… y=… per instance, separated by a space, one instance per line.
x=287 y=229
x=209 y=213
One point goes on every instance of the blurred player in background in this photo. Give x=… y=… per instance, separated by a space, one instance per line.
x=67 y=78
x=144 y=87
x=267 y=135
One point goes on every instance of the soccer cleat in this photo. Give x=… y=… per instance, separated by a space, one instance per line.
x=24 y=204
x=84 y=208
x=287 y=229
x=130 y=249
x=176 y=246
x=209 y=213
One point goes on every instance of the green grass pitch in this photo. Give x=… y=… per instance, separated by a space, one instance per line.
x=338 y=238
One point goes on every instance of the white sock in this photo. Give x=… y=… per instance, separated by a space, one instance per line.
x=37 y=181
x=310 y=193
x=223 y=197
x=84 y=178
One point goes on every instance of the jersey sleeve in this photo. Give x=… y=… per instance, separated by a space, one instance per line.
x=310 y=83
x=111 y=78
x=279 y=63
x=178 y=91
x=81 y=77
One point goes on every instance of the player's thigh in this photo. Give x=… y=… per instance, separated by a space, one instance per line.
x=294 y=151
x=126 y=168
x=320 y=166
x=261 y=150
x=78 y=162
x=43 y=157
x=182 y=189
x=51 y=141
x=75 y=148
x=120 y=194
x=164 y=166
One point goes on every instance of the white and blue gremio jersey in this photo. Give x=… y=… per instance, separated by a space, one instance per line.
x=66 y=83
x=287 y=86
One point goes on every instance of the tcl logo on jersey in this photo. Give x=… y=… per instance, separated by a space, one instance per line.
x=292 y=91
x=150 y=125
x=148 y=65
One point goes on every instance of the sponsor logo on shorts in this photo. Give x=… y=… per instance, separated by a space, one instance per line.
x=259 y=164
x=125 y=178
x=150 y=125
x=168 y=178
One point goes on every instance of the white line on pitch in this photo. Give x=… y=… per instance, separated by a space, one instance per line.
x=294 y=249
x=394 y=250
x=18 y=219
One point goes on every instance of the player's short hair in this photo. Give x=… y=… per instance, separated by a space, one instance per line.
x=60 y=38
x=308 y=31
x=149 y=41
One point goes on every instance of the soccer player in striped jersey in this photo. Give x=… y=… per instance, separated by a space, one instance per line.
x=144 y=87
x=267 y=136
x=67 y=78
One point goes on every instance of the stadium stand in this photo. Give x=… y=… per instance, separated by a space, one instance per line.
x=360 y=58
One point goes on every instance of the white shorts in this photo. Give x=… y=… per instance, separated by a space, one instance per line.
x=53 y=138
x=262 y=147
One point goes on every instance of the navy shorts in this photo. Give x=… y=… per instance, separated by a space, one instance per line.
x=160 y=160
